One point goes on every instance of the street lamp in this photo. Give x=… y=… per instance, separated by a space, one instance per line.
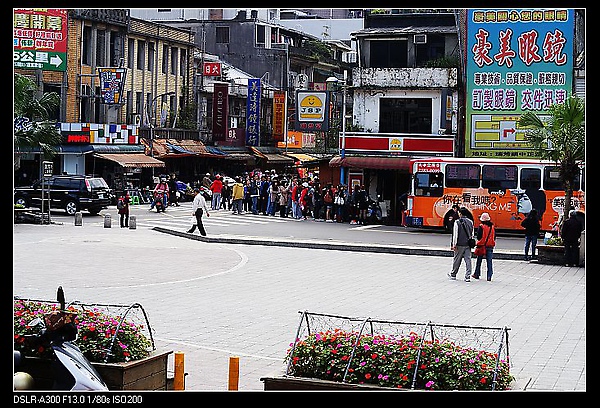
x=153 y=123
x=344 y=84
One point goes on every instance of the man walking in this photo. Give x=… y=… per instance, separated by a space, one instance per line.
x=461 y=232
x=199 y=206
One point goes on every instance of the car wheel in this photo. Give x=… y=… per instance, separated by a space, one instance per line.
x=71 y=207
x=21 y=201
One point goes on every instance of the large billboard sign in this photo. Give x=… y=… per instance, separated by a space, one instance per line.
x=40 y=39
x=518 y=60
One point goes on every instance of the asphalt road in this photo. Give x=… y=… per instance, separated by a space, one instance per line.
x=224 y=223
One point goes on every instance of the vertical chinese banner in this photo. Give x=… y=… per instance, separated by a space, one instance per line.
x=517 y=61
x=279 y=116
x=220 y=112
x=253 y=113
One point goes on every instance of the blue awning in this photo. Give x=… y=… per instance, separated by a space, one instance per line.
x=179 y=149
x=215 y=150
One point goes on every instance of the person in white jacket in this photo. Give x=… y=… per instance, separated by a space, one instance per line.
x=199 y=208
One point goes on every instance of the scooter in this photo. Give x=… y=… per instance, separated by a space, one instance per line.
x=71 y=370
x=374 y=213
x=158 y=202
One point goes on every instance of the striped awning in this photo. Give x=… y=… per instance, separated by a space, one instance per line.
x=382 y=163
x=303 y=157
x=131 y=159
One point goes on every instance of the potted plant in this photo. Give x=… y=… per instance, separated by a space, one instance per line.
x=552 y=252
x=117 y=347
x=337 y=359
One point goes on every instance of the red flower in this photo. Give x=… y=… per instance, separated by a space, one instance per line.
x=367 y=376
x=374 y=356
x=483 y=380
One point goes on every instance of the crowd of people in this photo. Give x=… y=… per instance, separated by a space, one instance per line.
x=286 y=195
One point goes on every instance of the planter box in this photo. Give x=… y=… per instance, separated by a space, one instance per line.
x=289 y=383
x=149 y=373
x=551 y=254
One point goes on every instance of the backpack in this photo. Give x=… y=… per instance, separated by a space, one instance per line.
x=120 y=204
x=327 y=198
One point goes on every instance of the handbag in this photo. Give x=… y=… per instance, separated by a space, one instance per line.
x=471 y=241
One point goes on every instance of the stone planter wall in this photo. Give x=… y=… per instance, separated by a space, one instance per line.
x=551 y=254
x=148 y=374
x=289 y=383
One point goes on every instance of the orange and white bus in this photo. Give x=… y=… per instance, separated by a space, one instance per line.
x=507 y=189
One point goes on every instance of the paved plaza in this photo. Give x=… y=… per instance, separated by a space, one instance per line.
x=214 y=300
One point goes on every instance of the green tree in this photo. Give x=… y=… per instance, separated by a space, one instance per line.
x=561 y=138
x=33 y=127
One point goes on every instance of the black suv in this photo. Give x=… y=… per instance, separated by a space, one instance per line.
x=71 y=193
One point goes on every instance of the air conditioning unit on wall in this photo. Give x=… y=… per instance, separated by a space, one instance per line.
x=420 y=38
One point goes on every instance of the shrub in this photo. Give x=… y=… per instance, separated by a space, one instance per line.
x=388 y=361
x=95 y=333
x=555 y=240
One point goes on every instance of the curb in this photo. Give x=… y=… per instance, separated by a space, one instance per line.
x=337 y=246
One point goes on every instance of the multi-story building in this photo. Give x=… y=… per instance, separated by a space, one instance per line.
x=405 y=99
x=147 y=72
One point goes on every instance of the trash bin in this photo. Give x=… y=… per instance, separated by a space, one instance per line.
x=132 y=222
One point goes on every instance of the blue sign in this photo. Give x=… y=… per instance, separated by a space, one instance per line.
x=253 y=113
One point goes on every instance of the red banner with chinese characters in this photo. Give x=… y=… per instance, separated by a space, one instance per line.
x=278 y=115
x=212 y=69
x=220 y=112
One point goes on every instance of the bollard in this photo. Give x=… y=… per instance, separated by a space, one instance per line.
x=179 y=380
x=107 y=222
x=78 y=218
x=234 y=373
x=132 y=222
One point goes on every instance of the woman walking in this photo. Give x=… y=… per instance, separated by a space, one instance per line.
x=486 y=237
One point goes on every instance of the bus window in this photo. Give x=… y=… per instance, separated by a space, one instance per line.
x=552 y=180
x=429 y=184
x=498 y=177
x=531 y=179
x=462 y=175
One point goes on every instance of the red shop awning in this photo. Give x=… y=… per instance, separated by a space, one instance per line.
x=383 y=163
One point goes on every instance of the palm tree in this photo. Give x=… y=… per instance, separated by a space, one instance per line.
x=560 y=138
x=33 y=127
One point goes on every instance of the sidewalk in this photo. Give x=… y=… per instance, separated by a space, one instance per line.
x=222 y=296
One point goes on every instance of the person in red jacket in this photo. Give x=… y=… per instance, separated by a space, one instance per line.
x=216 y=187
x=486 y=237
